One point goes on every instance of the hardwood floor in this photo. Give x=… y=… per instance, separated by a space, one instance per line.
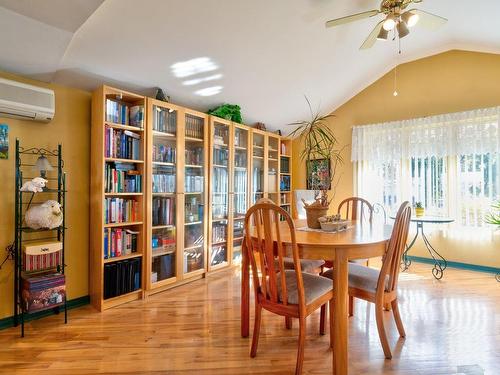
x=452 y=326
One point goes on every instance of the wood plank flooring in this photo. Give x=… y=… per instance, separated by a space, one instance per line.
x=452 y=325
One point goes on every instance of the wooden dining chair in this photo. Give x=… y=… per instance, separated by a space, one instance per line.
x=289 y=293
x=356 y=208
x=380 y=287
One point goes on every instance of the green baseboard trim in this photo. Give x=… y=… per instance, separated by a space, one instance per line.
x=465 y=266
x=71 y=304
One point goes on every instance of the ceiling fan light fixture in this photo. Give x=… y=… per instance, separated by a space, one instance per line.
x=402 y=29
x=410 y=18
x=389 y=23
x=383 y=34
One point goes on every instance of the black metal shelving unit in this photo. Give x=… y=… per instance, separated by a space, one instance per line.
x=25 y=162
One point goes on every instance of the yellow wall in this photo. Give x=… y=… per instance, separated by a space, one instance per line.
x=449 y=82
x=71 y=128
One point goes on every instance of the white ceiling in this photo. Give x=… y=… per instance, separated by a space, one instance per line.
x=264 y=55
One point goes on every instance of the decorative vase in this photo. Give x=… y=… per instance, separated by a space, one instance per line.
x=419 y=211
x=313 y=213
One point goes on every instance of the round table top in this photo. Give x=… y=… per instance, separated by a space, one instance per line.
x=356 y=234
x=429 y=219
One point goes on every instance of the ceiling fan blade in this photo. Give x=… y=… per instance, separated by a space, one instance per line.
x=372 y=38
x=351 y=18
x=428 y=20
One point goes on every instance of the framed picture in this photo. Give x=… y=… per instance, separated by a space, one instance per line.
x=4 y=141
x=318 y=174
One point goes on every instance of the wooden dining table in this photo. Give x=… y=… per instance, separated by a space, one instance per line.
x=360 y=240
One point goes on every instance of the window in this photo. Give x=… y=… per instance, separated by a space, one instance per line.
x=449 y=163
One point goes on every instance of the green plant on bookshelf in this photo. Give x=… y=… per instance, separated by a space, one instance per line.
x=230 y=112
x=494 y=217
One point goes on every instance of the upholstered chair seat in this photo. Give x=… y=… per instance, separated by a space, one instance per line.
x=361 y=277
x=314 y=287
x=306 y=265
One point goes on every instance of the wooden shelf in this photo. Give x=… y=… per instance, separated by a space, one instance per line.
x=193 y=223
x=118 y=160
x=219 y=166
x=193 y=192
x=160 y=134
x=163 y=163
x=123 y=257
x=123 y=127
x=193 y=166
x=124 y=224
x=193 y=247
x=166 y=194
x=191 y=139
x=122 y=194
x=156 y=253
x=158 y=227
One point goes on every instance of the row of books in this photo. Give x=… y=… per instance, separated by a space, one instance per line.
x=193 y=209
x=122 y=178
x=117 y=210
x=119 y=241
x=124 y=113
x=221 y=156
x=163 y=240
x=218 y=255
x=193 y=260
x=219 y=233
x=163 y=182
x=285 y=164
x=240 y=159
x=122 y=277
x=163 y=267
x=193 y=183
x=240 y=137
x=164 y=121
x=194 y=127
x=194 y=156
x=122 y=144
x=285 y=183
x=238 y=229
x=163 y=211
x=163 y=153
x=220 y=180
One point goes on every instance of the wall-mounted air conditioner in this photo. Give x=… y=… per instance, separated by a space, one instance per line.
x=27 y=102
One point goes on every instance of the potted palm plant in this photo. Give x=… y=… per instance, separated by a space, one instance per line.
x=318 y=144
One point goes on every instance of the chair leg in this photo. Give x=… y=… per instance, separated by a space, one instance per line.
x=379 y=314
x=322 y=318
x=256 y=330
x=302 y=340
x=397 y=318
x=332 y=331
x=288 y=322
x=351 y=305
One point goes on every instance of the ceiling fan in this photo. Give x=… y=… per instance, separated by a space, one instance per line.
x=396 y=18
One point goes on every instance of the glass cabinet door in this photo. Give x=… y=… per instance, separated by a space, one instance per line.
x=194 y=193
x=219 y=192
x=163 y=208
x=273 y=168
x=240 y=186
x=257 y=166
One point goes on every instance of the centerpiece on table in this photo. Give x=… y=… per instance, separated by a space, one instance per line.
x=322 y=155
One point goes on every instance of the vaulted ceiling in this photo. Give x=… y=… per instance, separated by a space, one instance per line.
x=264 y=55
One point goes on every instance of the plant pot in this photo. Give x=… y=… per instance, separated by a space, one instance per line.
x=419 y=212
x=313 y=213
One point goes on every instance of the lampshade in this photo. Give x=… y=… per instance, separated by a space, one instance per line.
x=383 y=34
x=402 y=29
x=410 y=18
x=42 y=165
x=389 y=23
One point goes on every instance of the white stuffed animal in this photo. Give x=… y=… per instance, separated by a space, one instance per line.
x=36 y=185
x=46 y=215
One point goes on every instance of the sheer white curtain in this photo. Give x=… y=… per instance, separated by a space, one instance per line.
x=448 y=162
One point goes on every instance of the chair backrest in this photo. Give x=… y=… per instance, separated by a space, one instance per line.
x=379 y=213
x=298 y=195
x=266 y=251
x=392 y=258
x=355 y=208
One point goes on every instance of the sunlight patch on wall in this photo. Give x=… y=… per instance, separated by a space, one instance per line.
x=197 y=81
x=209 y=91
x=191 y=67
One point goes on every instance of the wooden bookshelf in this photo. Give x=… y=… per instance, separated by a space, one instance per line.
x=285 y=176
x=101 y=161
x=175 y=245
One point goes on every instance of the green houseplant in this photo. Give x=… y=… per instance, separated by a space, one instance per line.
x=419 y=209
x=319 y=143
x=494 y=218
